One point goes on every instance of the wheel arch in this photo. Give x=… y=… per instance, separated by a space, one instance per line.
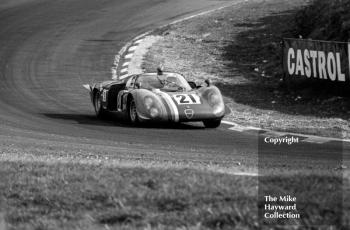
x=93 y=94
x=132 y=95
x=129 y=98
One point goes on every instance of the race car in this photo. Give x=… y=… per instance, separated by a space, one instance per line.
x=159 y=97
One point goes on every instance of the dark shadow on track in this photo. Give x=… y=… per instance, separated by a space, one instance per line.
x=118 y=120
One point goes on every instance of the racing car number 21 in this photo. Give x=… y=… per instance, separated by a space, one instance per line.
x=187 y=99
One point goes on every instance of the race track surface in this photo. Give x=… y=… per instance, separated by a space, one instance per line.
x=48 y=49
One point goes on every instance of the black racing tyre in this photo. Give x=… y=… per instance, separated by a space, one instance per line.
x=132 y=113
x=99 y=110
x=212 y=123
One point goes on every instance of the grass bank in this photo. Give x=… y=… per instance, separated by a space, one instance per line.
x=73 y=195
x=83 y=196
x=324 y=20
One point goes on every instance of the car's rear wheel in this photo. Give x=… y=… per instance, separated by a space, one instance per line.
x=132 y=113
x=212 y=123
x=99 y=110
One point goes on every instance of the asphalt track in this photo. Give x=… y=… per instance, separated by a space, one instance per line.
x=48 y=49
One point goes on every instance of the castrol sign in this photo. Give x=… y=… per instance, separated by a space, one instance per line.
x=309 y=59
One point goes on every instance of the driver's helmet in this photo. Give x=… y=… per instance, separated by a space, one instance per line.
x=159 y=71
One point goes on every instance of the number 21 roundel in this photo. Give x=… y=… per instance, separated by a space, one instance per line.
x=187 y=99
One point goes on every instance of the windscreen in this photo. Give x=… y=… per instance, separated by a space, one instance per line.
x=166 y=81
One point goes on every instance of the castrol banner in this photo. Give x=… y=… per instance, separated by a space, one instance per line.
x=310 y=59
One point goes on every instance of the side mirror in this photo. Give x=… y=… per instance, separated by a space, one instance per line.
x=138 y=85
x=208 y=82
x=192 y=84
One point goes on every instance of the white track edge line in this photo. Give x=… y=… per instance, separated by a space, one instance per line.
x=277 y=133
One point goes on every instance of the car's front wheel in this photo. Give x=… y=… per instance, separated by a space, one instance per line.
x=212 y=123
x=99 y=110
x=132 y=113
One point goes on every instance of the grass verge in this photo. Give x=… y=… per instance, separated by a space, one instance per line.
x=39 y=195
x=78 y=196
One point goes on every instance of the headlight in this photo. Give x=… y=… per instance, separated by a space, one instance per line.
x=154 y=112
x=215 y=101
x=152 y=106
x=148 y=102
x=218 y=109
